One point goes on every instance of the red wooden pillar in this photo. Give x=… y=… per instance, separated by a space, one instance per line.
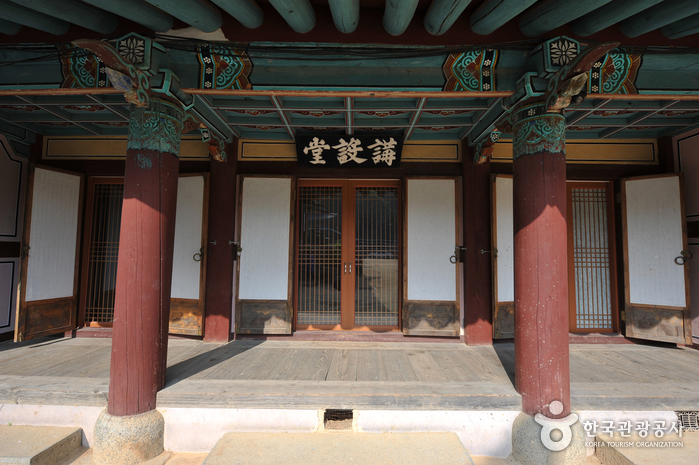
x=477 y=268
x=542 y=371
x=219 y=271
x=144 y=270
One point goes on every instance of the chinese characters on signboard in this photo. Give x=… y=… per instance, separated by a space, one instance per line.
x=330 y=150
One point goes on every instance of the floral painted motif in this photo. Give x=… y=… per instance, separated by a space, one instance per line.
x=133 y=49
x=223 y=67
x=81 y=69
x=541 y=133
x=614 y=73
x=470 y=71
x=563 y=52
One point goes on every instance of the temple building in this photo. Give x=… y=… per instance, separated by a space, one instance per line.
x=516 y=178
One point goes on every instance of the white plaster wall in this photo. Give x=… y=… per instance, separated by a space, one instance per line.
x=264 y=238
x=198 y=429
x=654 y=232
x=431 y=239
x=188 y=224
x=504 y=218
x=481 y=432
x=53 y=235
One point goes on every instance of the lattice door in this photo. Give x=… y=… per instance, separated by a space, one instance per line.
x=348 y=255
x=591 y=271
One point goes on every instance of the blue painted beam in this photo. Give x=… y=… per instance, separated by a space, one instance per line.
x=9 y=28
x=345 y=14
x=550 y=14
x=658 y=16
x=682 y=28
x=611 y=14
x=397 y=15
x=138 y=12
x=299 y=14
x=492 y=14
x=442 y=14
x=74 y=12
x=30 y=18
x=197 y=13
x=247 y=12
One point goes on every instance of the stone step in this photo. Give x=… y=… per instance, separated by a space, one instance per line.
x=334 y=448
x=635 y=450
x=38 y=445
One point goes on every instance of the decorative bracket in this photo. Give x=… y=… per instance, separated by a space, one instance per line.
x=485 y=147
x=138 y=66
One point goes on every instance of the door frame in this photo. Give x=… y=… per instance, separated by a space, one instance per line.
x=348 y=207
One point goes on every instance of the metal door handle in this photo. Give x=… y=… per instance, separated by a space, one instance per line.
x=197 y=257
x=345 y=267
x=350 y=267
x=684 y=256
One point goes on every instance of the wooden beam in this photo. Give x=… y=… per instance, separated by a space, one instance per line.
x=247 y=12
x=345 y=14
x=682 y=28
x=138 y=12
x=74 y=12
x=550 y=14
x=442 y=14
x=658 y=16
x=397 y=15
x=198 y=13
x=30 y=18
x=9 y=28
x=494 y=13
x=298 y=14
x=611 y=14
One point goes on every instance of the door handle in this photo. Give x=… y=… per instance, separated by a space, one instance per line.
x=345 y=267
x=684 y=256
x=350 y=267
x=197 y=257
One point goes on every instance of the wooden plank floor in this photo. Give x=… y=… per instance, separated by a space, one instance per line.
x=390 y=375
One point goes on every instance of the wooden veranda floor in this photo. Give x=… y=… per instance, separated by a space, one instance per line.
x=297 y=374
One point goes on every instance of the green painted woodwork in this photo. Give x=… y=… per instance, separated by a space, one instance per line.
x=198 y=13
x=682 y=28
x=541 y=133
x=9 y=28
x=492 y=14
x=138 y=12
x=157 y=127
x=24 y=16
x=442 y=14
x=247 y=12
x=298 y=14
x=397 y=15
x=546 y=16
x=608 y=15
x=658 y=16
x=345 y=14
x=74 y=12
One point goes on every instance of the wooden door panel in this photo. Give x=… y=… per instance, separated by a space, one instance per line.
x=657 y=286
x=189 y=256
x=431 y=304
x=502 y=239
x=265 y=274
x=48 y=298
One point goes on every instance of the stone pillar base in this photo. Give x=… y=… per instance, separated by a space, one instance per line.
x=128 y=440
x=528 y=448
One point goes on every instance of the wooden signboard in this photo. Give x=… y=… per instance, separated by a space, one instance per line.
x=355 y=151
